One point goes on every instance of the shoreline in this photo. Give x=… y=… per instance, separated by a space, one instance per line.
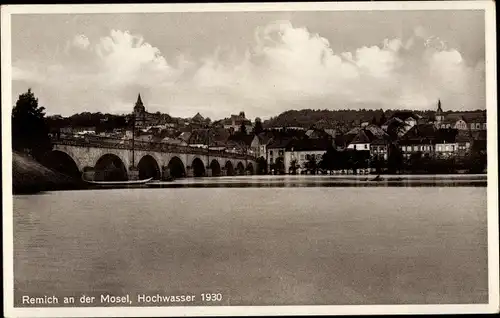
x=30 y=177
x=293 y=181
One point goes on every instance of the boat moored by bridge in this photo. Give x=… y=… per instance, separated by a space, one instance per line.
x=118 y=183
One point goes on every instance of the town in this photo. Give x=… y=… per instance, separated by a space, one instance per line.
x=405 y=141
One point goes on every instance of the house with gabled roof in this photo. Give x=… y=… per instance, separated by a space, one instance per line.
x=259 y=144
x=301 y=151
x=276 y=151
x=379 y=145
x=446 y=143
x=420 y=138
x=362 y=140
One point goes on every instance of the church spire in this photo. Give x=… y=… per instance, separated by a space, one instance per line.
x=439 y=114
x=139 y=106
x=439 y=110
x=139 y=100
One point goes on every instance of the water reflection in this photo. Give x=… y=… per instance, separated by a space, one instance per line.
x=328 y=181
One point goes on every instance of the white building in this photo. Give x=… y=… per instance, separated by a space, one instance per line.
x=361 y=141
x=302 y=151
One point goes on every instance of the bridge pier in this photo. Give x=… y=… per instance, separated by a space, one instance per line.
x=133 y=173
x=208 y=172
x=89 y=175
x=189 y=172
x=165 y=173
x=223 y=172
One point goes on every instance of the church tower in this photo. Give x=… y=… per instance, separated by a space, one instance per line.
x=139 y=106
x=439 y=114
x=139 y=112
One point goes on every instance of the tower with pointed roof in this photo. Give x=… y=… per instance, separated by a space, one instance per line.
x=439 y=114
x=139 y=106
x=139 y=111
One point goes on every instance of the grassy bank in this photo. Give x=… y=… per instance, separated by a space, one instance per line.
x=29 y=176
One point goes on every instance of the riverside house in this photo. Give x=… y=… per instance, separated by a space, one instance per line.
x=300 y=151
x=420 y=138
x=446 y=143
x=276 y=154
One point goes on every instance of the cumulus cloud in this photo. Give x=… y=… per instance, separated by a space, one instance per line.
x=81 y=41
x=286 y=67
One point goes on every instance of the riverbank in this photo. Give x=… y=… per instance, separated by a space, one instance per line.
x=29 y=176
x=290 y=181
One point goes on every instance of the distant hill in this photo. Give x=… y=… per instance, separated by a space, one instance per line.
x=306 y=118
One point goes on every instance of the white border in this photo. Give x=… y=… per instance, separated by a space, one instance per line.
x=493 y=237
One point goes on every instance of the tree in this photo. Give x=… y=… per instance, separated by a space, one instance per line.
x=396 y=129
x=257 y=129
x=243 y=128
x=395 y=159
x=261 y=166
x=311 y=164
x=416 y=161
x=382 y=119
x=279 y=165
x=293 y=166
x=476 y=162
x=376 y=163
x=328 y=160
x=30 y=133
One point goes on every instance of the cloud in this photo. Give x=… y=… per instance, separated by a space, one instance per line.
x=81 y=41
x=286 y=67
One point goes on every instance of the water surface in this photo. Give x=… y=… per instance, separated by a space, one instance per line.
x=257 y=246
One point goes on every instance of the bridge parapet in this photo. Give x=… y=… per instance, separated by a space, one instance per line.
x=115 y=143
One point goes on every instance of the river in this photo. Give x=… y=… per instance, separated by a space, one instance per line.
x=313 y=245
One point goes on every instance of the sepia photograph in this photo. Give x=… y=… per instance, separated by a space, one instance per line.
x=249 y=159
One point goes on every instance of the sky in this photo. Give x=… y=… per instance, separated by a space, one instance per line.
x=263 y=63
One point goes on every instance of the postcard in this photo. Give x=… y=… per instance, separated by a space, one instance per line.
x=249 y=159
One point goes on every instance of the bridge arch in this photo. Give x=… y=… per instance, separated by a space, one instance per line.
x=250 y=169
x=176 y=168
x=215 y=167
x=110 y=167
x=229 y=168
x=240 y=168
x=148 y=168
x=61 y=162
x=198 y=167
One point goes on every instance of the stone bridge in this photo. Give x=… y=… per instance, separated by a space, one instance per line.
x=105 y=159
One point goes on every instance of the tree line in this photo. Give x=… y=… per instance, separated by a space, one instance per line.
x=324 y=118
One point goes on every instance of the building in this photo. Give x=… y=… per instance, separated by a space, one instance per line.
x=475 y=120
x=300 y=151
x=401 y=122
x=276 y=154
x=235 y=122
x=316 y=133
x=362 y=140
x=259 y=144
x=446 y=143
x=465 y=141
x=174 y=141
x=420 y=138
x=395 y=126
x=78 y=130
x=144 y=119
